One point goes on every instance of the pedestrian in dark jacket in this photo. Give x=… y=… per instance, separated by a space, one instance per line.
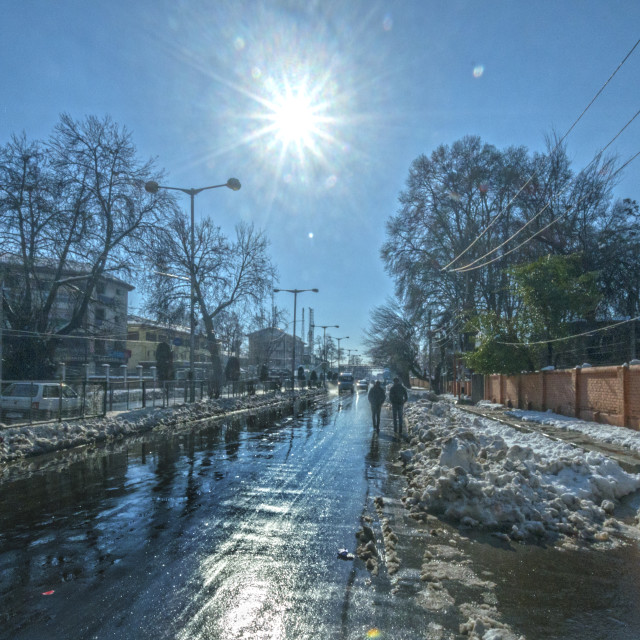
x=376 y=397
x=397 y=396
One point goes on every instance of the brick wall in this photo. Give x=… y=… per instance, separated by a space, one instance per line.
x=511 y=387
x=602 y=394
x=493 y=383
x=531 y=394
x=560 y=392
x=633 y=398
x=421 y=384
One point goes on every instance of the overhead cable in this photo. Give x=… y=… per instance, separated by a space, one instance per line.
x=577 y=335
x=562 y=139
x=546 y=206
x=537 y=233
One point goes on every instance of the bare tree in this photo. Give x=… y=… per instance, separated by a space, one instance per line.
x=226 y=274
x=230 y=329
x=72 y=210
x=471 y=212
x=393 y=341
x=269 y=322
x=461 y=206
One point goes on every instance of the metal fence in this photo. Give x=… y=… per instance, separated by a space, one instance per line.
x=46 y=401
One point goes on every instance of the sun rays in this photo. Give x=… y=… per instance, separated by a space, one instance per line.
x=295 y=119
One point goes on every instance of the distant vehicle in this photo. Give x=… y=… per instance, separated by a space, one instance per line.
x=346 y=382
x=37 y=401
x=362 y=385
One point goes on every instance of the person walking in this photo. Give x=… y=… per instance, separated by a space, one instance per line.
x=397 y=396
x=376 y=397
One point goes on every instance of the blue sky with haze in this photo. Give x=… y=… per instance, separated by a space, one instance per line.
x=215 y=89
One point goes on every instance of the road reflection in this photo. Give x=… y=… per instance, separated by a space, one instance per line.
x=230 y=531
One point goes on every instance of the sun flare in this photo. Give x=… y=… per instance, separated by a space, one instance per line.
x=293 y=119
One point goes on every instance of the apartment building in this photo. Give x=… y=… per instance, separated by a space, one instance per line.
x=144 y=336
x=101 y=338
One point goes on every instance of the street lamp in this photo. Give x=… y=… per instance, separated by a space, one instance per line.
x=293 y=350
x=349 y=355
x=152 y=187
x=324 y=328
x=338 y=339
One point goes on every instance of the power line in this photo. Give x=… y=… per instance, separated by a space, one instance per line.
x=537 y=233
x=577 y=335
x=546 y=206
x=501 y=212
x=20 y=333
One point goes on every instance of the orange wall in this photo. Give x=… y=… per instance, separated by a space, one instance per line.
x=601 y=394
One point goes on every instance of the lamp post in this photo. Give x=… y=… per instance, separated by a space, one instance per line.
x=324 y=328
x=152 y=187
x=338 y=339
x=293 y=350
x=349 y=355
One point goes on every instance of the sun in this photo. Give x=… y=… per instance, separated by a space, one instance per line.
x=294 y=119
x=297 y=119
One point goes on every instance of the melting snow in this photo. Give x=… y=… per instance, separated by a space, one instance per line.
x=601 y=432
x=481 y=473
x=24 y=441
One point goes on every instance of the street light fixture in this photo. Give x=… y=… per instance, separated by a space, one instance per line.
x=152 y=187
x=324 y=328
x=338 y=339
x=349 y=355
x=293 y=350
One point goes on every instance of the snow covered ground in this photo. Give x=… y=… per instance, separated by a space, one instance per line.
x=17 y=443
x=483 y=474
x=606 y=433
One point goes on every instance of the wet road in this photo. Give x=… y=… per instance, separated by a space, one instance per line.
x=228 y=532
x=232 y=531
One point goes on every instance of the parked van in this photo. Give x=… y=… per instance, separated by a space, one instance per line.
x=37 y=401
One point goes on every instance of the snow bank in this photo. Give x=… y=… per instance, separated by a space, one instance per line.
x=610 y=434
x=25 y=441
x=480 y=473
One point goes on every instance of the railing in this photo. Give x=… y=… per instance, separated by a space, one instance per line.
x=53 y=400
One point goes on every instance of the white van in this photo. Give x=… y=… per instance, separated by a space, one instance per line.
x=27 y=400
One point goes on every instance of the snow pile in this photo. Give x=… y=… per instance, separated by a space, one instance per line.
x=610 y=434
x=480 y=473
x=24 y=441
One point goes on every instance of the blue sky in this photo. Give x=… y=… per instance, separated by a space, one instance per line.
x=207 y=88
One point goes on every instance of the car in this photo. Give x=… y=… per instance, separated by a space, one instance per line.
x=362 y=385
x=346 y=382
x=26 y=400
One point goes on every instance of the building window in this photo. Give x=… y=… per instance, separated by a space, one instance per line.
x=133 y=335
x=151 y=336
